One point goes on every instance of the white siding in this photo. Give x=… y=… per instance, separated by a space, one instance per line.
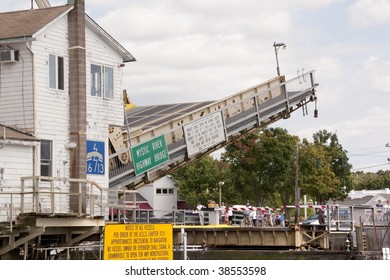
x=52 y=106
x=102 y=112
x=162 y=204
x=16 y=101
x=16 y=161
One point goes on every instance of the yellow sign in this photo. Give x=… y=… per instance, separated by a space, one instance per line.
x=138 y=242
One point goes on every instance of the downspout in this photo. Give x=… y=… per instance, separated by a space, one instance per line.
x=2 y=145
x=34 y=147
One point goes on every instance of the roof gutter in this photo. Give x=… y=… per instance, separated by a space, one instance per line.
x=17 y=40
x=20 y=143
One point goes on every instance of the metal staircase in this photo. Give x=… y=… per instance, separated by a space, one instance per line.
x=143 y=153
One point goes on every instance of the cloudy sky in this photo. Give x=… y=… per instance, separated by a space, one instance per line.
x=196 y=50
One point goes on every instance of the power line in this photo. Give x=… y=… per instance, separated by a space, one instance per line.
x=368 y=148
x=367 y=167
x=366 y=155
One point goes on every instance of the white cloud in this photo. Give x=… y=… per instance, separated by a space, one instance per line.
x=369 y=13
x=378 y=72
x=382 y=84
x=147 y=23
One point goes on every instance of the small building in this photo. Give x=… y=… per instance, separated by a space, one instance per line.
x=161 y=195
x=364 y=207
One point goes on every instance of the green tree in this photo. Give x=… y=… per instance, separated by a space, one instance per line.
x=263 y=166
x=370 y=180
x=336 y=156
x=316 y=178
x=199 y=181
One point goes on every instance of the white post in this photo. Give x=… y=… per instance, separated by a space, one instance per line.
x=304 y=203
x=184 y=241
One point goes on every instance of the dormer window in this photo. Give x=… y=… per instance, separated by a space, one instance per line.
x=56 y=72
x=102 y=81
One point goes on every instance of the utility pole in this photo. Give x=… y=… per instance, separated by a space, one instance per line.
x=297 y=191
x=220 y=184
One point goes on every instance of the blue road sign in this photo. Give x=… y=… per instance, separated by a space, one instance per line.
x=95 y=157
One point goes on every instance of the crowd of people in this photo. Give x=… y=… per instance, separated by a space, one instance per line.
x=249 y=216
x=246 y=216
x=257 y=217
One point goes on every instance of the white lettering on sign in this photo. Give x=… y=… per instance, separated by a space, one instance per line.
x=142 y=151
x=204 y=133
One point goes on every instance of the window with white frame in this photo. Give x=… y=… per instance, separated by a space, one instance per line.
x=102 y=81
x=56 y=72
x=46 y=158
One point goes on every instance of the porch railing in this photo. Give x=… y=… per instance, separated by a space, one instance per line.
x=53 y=196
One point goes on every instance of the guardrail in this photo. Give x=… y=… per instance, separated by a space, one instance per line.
x=53 y=196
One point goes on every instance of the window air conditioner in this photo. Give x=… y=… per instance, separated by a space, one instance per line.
x=8 y=56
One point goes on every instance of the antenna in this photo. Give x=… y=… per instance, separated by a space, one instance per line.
x=43 y=4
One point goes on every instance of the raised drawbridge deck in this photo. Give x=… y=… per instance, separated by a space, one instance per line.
x=159 y=139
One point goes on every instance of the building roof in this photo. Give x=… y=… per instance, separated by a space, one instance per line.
x=386 y=196
x=10 y=133
x=26 y=23
x=355 y=201
x=364 y=197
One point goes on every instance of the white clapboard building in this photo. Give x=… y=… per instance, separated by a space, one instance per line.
x=60 y=90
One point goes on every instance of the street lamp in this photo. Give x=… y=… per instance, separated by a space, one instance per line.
x=220 y=184
x=277 y=46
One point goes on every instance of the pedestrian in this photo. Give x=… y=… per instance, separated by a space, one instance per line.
x=386 y=210
x=253 y=215
x=226 y=215
x=247 y=218
x=282 y=219
x=270 y=220
x=260 y=219
x=321 y=216
x=277 y=221
x=379 y=209
x=230 y=213
x=199 y=209
x=222 y=213
x=379 y=204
